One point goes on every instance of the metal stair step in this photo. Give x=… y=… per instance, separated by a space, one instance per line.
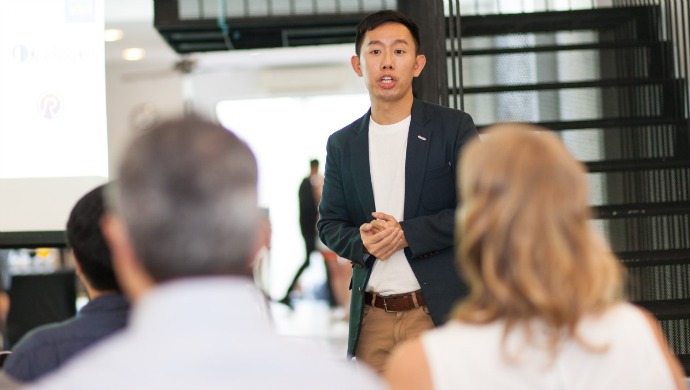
x=636 y=164
x=650 y=258
x=668 y=309
x=557 y=48
x=586 y=19
x=637 y=210
x=602 y=83
x=604 y=123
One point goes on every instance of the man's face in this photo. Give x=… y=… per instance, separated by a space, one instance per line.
x=388 y=62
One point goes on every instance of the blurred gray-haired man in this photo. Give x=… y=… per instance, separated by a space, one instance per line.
x=182 y=229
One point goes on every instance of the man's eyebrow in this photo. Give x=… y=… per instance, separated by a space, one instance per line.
x=397 y=41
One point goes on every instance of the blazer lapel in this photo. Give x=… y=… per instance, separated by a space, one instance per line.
x=359 y=163
x=418 y=140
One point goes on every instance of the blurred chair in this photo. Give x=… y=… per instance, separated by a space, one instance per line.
x=37 y=299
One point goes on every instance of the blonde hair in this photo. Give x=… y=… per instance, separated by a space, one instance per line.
x=525 y=241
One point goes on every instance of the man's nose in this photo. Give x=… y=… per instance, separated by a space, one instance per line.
x=387 y=62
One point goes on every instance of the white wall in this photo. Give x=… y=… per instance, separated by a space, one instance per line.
x=137 y=91
x=132 y=102
x=284 y=155
x=149 y=90
x=304 y=71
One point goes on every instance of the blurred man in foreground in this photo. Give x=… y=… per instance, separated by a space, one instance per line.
x=182 y=229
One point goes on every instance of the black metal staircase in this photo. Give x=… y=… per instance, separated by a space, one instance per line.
x=640 y=125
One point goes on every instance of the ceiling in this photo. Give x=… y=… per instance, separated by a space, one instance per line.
x=135 y=18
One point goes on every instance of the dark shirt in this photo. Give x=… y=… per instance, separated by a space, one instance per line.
x=46 y=348
x=308 y=209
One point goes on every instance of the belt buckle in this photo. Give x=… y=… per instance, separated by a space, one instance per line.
x=385 y=306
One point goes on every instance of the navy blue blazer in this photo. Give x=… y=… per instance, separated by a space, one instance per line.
x=435 y=139
x=48 y=347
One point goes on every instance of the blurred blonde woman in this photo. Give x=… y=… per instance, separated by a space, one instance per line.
x=545 y=309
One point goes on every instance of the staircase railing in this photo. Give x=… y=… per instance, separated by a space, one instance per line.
x=673 y=25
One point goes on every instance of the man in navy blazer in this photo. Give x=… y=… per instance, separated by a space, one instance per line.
x=389 y=195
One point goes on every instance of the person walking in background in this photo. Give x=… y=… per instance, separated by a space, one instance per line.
x=545 y=309
x=389 y=195
x=182 y=224
x=48 y=347
x=309 y=195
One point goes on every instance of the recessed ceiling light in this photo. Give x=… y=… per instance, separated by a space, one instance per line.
x=113 y=34
x=133 y=54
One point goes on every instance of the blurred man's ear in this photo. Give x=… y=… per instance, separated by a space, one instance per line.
x=132 y=276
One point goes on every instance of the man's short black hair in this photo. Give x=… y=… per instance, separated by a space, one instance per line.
x=86 y=239
x=381 y=17
x=314 y=163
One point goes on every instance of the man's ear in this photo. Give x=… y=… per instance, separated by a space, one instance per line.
x=356 y=66
x=128 y=269
x=116 y=236
x=420 y=62
x=77 y=266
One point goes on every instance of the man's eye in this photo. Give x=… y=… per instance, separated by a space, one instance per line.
x=376 y=51
x=400 y=51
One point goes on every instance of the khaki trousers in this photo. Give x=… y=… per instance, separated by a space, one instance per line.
x=381 y=331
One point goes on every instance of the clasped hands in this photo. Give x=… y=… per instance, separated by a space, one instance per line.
x=383 y=236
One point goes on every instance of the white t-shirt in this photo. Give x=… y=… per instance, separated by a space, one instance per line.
x=387 y=152
x=467 y=356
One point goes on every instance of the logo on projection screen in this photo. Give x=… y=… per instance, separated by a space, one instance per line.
x=21 y=53
x=49 y=106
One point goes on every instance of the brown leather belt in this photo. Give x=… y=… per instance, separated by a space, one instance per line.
x=395 y=303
